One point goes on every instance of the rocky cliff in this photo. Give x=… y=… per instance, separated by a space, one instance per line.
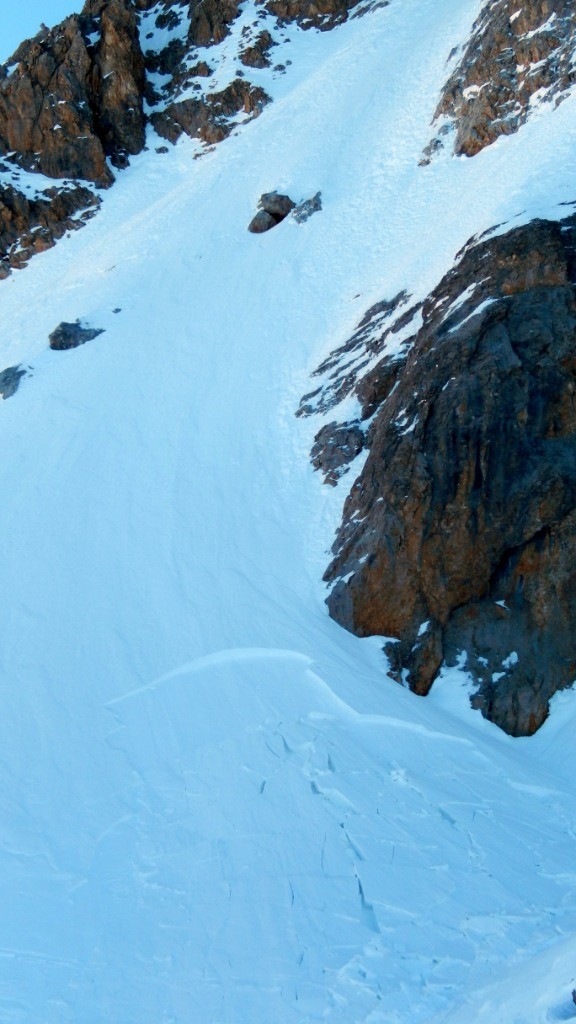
x=518 y=56
x=459 y=536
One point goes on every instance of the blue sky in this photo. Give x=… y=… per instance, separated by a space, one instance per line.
x=19 y=20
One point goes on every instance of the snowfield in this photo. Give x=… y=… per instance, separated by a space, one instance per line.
x=215 y=807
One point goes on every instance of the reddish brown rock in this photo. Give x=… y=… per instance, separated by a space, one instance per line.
x=28 y=226
x=208 y=118
x=460 y=533
x=273 y=209
x=256 y=55
x=210 y=20
x=67 y=102
x=118 y=80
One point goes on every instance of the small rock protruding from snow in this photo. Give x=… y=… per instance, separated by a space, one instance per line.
x=304 y=211
x=68 y=335
x=10 y=380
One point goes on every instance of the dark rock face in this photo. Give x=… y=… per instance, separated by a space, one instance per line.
x=118 y=79
x=274 y=208
x=29 y=226
x=68 y=335
x=10 y=380
x=210 y=20
x=515 y=50
x=336 y=445
x=460 y=533
x=68 y=102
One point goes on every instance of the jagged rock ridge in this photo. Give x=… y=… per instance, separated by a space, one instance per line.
x=460 y=533
x=518 y=56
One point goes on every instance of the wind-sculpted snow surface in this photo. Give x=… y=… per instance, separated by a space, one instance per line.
x=215 y=806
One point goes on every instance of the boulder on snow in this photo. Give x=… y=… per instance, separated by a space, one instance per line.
x=262 y=222
x=276 y=205
x=273 y=208
x=10 y=380
x=67 y=335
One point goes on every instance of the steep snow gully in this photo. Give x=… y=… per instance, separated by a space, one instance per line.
x=215 y=808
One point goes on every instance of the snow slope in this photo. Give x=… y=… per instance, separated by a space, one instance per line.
x=215 y=808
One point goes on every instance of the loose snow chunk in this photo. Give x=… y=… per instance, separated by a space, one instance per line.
x=511 y=660
x=472 y=91
x=423 y=627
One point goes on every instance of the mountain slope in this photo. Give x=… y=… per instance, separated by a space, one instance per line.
x=216 y=807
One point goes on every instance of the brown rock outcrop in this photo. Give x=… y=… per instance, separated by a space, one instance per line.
x=323 y=14
x=73 y=96
x=517 y=53
x=210 y=20
x=118 y=79
x=29 y=226
x=460 y=533
x=209 y=118
x=256 y=54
